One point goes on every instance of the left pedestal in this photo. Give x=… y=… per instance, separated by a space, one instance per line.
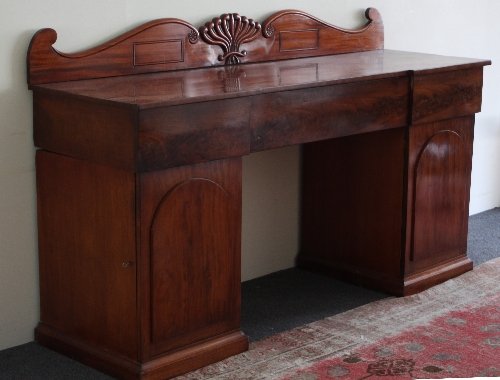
x=140 y=272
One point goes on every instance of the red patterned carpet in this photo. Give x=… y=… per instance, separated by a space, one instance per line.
x=451 y=330
x=462 y=343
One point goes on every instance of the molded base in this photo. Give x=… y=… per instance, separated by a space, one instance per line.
x=417 y=282
x=164 y=367
x=397 y=286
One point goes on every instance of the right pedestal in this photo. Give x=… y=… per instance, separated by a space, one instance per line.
x=389 y=209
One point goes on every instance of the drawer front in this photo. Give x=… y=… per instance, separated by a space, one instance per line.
x=193 y=133
x=300 y=116
x=446 y=95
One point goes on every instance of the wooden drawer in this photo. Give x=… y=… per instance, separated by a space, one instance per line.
x=448 y=94
x=300 y=116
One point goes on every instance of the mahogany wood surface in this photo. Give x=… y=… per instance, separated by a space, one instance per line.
x=190 y=254
x=351 y=212
x=144 y=131
x=87 y=264
x=172 y=44
x=216 y=83
x=439 y=96
x=139 y=175
x=439 y=167
x=301 y=116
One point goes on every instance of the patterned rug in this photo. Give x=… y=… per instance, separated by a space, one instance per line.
x=464 y=343
x=451 y=330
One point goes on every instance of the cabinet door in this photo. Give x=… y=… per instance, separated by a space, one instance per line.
x=439 y=181
x=190 y=254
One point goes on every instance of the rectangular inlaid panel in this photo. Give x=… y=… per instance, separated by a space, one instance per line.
x=299 y=40
x=158 y=52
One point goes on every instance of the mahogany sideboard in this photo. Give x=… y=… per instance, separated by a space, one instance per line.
x=139 y=175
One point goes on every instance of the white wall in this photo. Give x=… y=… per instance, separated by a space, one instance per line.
x=453 y=27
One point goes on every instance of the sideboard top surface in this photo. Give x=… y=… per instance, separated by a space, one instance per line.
x=153 y=90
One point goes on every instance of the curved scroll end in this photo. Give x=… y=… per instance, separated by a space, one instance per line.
x=43 y=39
x=230 y=31
x=373 y=15
x=40 y=49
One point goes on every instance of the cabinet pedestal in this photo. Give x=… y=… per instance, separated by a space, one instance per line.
x=389 y=209
x=140 y=273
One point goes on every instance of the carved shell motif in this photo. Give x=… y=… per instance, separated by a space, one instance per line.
x=230 y=31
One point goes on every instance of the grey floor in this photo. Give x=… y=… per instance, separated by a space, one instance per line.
x=271 y=304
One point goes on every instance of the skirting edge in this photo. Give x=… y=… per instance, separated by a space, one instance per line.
x=417 y=282
x=167 y=366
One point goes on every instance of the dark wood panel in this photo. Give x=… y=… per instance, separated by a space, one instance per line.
x=352 y=216
x=439 y=182
x=445 y=95
x=86 y=240
x=193 y=133
x=300 y=116
x=85 y=129
x=190 y=251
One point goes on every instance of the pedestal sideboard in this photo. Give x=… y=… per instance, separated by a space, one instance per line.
x=139 y=175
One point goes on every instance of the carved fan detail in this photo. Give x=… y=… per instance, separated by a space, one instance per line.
x=230 y=31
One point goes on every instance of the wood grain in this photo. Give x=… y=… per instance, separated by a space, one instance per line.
x=193 y=133
x=440 y=161
x=119 y=56
x=352 y=196
x=439 y=96
x=87 y=263
x=190 y=223
x=328 y=112
x=192 y=86
x=101 y=133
